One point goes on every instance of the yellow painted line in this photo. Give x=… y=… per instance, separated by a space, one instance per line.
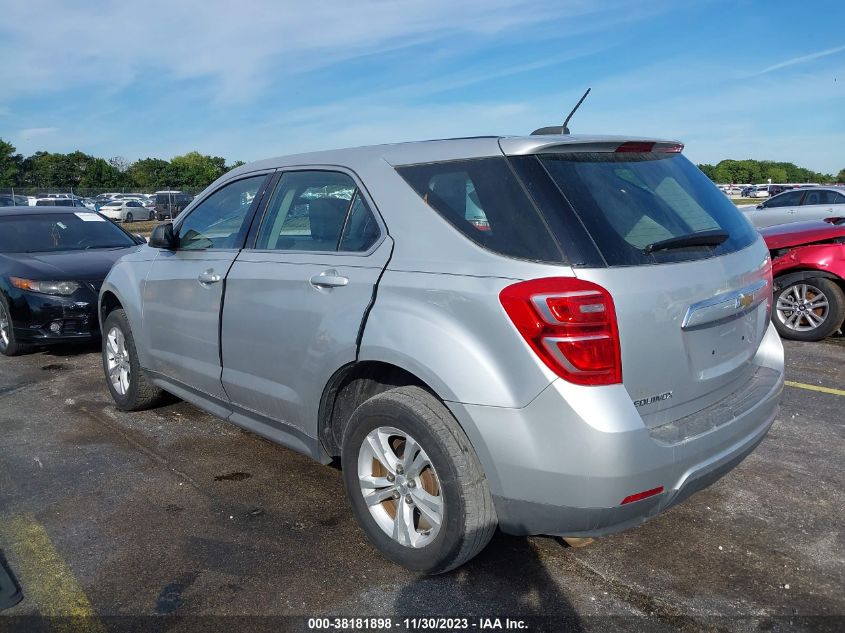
x=801 y=385
x=47 y=581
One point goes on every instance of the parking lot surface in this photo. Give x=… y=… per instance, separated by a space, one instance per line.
x=173 y=512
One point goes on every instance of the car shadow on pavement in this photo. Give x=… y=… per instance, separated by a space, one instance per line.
x=507 y=579
x=68 y=349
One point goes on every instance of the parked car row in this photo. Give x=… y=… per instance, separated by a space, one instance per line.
x=488 y=332
x=122 y=207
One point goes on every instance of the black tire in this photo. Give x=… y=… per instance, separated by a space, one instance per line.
x=152 y=216
x=832 y=320
x=468 y=518
x=129 y=217
x=9 y=347
x=141 y=394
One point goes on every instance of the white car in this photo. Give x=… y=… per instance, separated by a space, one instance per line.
x=126 y=211
x=761 y=191
x=797 y=205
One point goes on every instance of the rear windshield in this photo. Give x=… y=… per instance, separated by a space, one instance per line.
x=628 y=202
x=51 y=232
x=587 y=209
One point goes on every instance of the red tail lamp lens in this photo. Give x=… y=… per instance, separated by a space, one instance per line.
x=571 y=325
x=649 y=146
x=635 y=146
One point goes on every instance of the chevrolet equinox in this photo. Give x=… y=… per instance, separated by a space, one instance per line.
x=550 y=334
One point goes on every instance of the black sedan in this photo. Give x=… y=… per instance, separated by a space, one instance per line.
x=52 y=263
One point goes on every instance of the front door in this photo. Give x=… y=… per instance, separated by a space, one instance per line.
x=184 y=288
x=779 y=210
x=296 y=301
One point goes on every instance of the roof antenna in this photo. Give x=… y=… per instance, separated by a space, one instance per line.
x=563 y=129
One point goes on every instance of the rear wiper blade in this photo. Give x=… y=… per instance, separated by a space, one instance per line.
x=700 y=238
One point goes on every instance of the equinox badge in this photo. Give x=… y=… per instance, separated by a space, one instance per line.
x=652 y=399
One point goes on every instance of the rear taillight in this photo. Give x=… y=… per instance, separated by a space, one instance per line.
x=648 y=146
x=570 y=324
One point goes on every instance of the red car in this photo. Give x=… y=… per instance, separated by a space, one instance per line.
x=808 y=265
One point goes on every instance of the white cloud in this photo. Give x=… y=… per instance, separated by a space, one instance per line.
x=802 y=59
x=32 y=132
x=241 y=46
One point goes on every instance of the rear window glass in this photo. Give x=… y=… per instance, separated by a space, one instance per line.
x=484 y=200
x=630 y=201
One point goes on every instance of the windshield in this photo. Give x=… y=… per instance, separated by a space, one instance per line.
x=51 y=232
x=631 y=201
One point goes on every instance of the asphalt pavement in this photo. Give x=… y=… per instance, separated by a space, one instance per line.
x=171 y=517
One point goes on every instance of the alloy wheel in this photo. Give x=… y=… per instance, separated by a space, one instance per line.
x=400 y=487
x=5 y=327
x=117 y=361
x=802 y=307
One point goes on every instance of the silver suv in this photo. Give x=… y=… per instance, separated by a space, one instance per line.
x=549 y=334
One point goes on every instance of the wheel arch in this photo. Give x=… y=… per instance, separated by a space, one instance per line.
x=109 y=302
x=350 y=386
x=793 y=275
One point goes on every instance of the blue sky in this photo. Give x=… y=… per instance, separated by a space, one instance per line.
x=258 y=78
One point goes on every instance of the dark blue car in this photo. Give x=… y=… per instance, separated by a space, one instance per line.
x=52 y=262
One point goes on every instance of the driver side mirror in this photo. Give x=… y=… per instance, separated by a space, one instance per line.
x=164 y=237
x=762 y=205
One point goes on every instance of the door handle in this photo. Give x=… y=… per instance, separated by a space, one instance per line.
x=329 y=279
x=209 y=277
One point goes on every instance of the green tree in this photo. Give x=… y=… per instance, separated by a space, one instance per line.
x=9 y=164
x=149 y=173
x=196 y=170
x=840 y=177
x=755 y=171
x=100 y=174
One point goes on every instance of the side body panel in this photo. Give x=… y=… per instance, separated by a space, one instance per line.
x=283 y=336
x=829 y=258
x=182 y=315
x=126 y=282
x=452 y=332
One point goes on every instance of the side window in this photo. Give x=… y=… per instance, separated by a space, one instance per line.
x=789 y=199
x=483 y=200
x=307 y=212
x=824 y=197
x=361 y=230
x=217 y=222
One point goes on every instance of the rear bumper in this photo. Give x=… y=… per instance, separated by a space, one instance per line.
x=527 y=517
x=563 y=464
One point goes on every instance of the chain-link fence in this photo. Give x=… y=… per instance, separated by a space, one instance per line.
x=85 y=192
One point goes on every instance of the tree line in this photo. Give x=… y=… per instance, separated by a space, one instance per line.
x=760 y=171
x=46 y=170
x=78 y=170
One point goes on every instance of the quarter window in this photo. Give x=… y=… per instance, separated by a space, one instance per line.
x=309 y=211
x=823 y=197
x=218 y=221
x=482 y=199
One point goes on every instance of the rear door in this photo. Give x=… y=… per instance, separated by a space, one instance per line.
x=690 y=318
x=819 y=204
x=296 y=300
x=184 y=289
